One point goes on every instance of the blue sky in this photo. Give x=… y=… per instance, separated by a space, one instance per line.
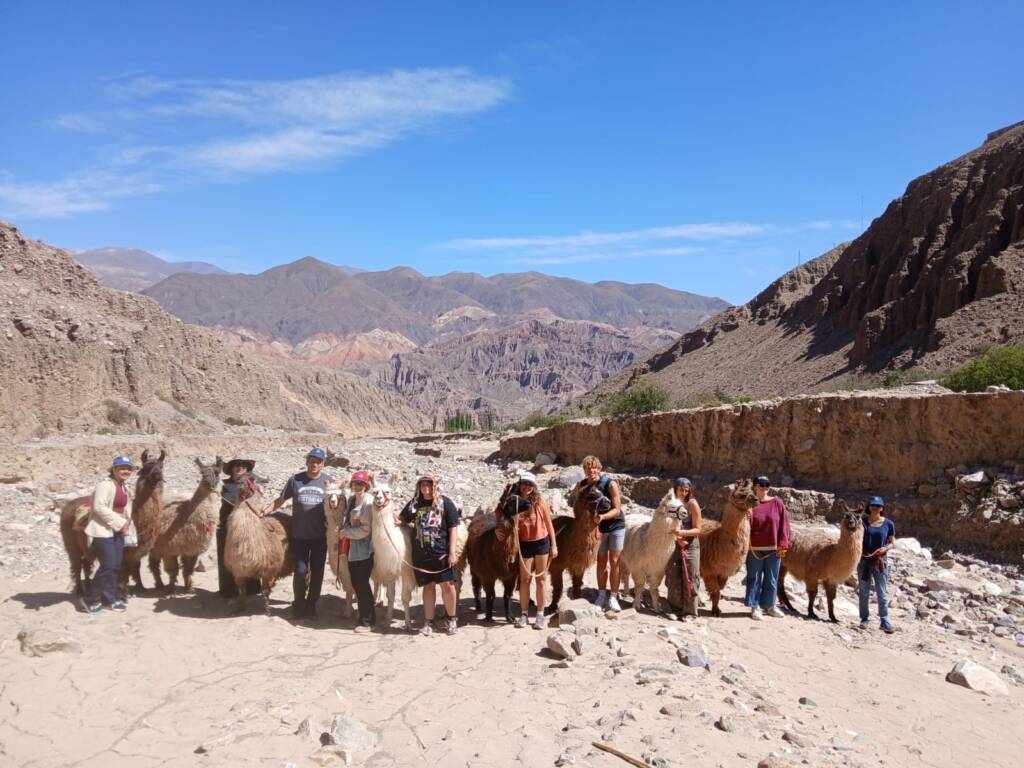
x=702 y=148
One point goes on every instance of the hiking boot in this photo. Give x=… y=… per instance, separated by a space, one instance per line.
x=426 y=630
x=452 y=626
x=613 y=602
x=119 y=605
x=522 y=621
x=602 y=599
x=775 y=612
x=888 y=628
x=541 y=621
x=755 y=614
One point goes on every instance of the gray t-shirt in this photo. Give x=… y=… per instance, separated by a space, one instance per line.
x=307 y=494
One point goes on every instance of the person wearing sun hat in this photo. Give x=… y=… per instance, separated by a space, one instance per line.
x=109 y=519
x=879 y=538
x=238 y=486
x=308 y=491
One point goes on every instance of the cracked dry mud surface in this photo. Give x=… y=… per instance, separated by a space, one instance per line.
x=179 y=674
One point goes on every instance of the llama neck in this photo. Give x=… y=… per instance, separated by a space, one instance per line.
x=733 y=517
x=148 y=500
x=204 y=495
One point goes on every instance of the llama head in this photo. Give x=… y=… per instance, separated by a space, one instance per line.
x=590 y=502
x=210 y=474
x=672 y=508
x=742 y=495
x=851 y=521
x=152 y=470
x=381 y=496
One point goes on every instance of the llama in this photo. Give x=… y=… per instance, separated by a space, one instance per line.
x=577 y=544
x=391 y=564
x=147 y=504
x=257 y=546
x=74 y=516
x=185 y=528
x=648 y=548
x=723 y=545
x=338 y=494
x=491 y=559
x=816 y=555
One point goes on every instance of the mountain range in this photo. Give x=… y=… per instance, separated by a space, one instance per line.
x=935 y=279
x=130 y=269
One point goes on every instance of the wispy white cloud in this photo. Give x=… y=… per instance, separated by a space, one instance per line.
x=212 y=129
x=591 y=239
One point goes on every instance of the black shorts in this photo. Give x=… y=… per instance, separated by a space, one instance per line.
x=534 y=548
x=446 y=572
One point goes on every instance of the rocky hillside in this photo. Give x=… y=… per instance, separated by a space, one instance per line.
x=130 y=269
x=505 y=345
x=77 y=356
x=937 y=276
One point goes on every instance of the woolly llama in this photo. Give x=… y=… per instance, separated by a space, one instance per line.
x=723 y=545
x=338 y=494
x=147 y=505
x=391 y=566
x=491 y=558
x=816 y=555
x=648 y=548
x=577 y=543
x=257 y=546
x=185 y=528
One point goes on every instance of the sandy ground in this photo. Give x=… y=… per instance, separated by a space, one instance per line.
x=177 y=681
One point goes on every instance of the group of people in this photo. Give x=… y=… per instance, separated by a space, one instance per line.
x=434 y=518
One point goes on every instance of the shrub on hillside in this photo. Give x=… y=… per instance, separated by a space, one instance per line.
x=895 y=379
x=999 y=365
x=643 y=398
x=538 y=421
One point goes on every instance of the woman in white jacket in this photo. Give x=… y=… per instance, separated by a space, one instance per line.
x=108 y=523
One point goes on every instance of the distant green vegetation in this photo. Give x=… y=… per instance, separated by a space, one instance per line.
x=898 y=378
x=460 y=422
x=539 y=420
x=998 y=365
x=643 y=398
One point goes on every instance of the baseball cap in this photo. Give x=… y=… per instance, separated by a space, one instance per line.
x=876 y=501
x=318 y=453
x=122 y=461
x=360 y=476
x=762 y=480
x=528 y=477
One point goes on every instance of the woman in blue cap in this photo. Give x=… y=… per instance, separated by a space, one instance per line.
x=307 y=490
x=879 y=538
x=109 y=519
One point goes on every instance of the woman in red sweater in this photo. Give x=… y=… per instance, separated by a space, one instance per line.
x=769 y=540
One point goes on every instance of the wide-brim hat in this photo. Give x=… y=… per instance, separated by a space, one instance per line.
x=249 y=464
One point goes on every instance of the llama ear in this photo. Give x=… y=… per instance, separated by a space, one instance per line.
x=219 y=463
x=163 y=453
x=145 y=456
x=199 y=462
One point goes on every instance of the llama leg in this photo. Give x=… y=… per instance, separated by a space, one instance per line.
x=171 y=566
x=812 y=593
x=154 y=568
x=655 y=599
x=556 y=589
x=391 y=600
x=489 y=592
x=475 y=582
x=407 y=582
x=507 y=588
x=782 y=588
x=830 y=594
x=577 y=585
x=189 y=568
x=240 y=600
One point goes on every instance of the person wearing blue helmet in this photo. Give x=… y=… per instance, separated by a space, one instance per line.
x=109 y=519
x=308 y=490
x=879 y=538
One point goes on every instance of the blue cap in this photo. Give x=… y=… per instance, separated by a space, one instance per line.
x=318 y=453
x=122 y=461
x=762 y=480
x=681 y=482
x=876 y=501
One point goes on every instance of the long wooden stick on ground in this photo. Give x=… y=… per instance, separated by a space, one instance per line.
x=628 y=758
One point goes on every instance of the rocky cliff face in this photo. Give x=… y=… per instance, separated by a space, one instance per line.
x=913 y=447
x=935 y=277
x=77 y=356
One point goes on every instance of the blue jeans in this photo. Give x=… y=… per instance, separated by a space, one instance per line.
x=762 y=580
x=866 y=573
x=310 y=557
x=110 y=553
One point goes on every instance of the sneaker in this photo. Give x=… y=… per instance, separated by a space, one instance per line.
x=755 y=614
x=541 y=621
x=452 y=626
x=888 y=628
x=93 y=607
x=522 y=621
x=119 y=605
x=613 y=603
x=775 y=612
x=602 y=599
x=426 y=630
x=863 y=626
x=362 y=629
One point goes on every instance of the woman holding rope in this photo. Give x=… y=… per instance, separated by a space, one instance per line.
x=433 y=518
x=769 y=539
x=879 y=538
x=537 y=546
x=689 y=547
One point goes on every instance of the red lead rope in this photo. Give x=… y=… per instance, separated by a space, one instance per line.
x=878 y=554
x=686 y=571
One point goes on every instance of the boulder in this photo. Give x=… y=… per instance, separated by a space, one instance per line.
x=544 y=458
x=972 y=482
x=976 y=677
x=348 y=737
x=567 y=478
x=560 y=643
x=574 y=610
x=692 y=657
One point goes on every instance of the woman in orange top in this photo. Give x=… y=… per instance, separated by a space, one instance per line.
x=537 y=546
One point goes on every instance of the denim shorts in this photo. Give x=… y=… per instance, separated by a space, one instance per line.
x=613 y=541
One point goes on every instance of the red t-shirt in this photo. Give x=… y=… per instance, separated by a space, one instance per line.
x=120 y=498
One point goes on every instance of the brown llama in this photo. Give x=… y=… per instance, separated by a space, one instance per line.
x=257 y=546
x=723 y=545
x=577 y=543
x=147 y=505
x=74 y=516
x=491 y=559
x=817 y=555
x=186 y=528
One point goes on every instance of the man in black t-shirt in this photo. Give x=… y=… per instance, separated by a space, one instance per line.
x=307 y=491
